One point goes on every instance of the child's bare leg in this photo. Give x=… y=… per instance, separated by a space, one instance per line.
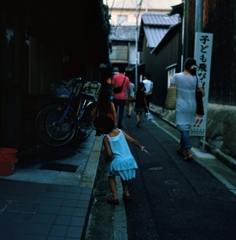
x=125 y=187
x=112 y=182
x=130 y=108
x=127 y=108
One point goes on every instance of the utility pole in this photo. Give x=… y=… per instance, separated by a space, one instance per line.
x=198 y=28
x=198 y=16
x=136 y=47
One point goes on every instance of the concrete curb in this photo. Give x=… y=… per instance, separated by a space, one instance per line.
x=209 y=161
x=90 y=171
x=227 y=160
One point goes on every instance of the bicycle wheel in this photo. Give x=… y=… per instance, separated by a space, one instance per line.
x=40 y=123
x=85 y=123
x=59 y=127
x=40 y=126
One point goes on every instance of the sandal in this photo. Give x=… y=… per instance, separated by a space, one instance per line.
x=113 y=201
x=188 y=158
x=179 y=151
x=127 y=198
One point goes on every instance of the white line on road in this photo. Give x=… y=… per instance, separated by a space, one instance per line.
x=203 y=162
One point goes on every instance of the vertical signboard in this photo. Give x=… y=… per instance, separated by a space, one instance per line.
x=202 y=52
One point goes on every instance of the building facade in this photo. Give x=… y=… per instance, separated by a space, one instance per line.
x=41 y=42
x=125 y=22
x=130 y=12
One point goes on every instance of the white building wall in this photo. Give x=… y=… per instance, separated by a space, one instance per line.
x=127 y=9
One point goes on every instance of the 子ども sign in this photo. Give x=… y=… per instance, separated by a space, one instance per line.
x=202 y=52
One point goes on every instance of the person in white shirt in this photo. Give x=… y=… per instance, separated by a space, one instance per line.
x=148 y=89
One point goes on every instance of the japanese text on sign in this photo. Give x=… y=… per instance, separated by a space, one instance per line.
x=203 y=51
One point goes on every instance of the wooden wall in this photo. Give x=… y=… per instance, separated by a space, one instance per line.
x=219 y=18
x=156 y=64
x=41 y=42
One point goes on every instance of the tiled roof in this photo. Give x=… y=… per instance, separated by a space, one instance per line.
x=154 y=35
x=123 y=33
x=171 y=31
x=155 y=26
x=159 y=19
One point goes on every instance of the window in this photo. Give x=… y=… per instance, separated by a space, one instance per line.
x=122 y=19
x=119 y=53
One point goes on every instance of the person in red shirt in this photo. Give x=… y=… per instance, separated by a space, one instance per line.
x=120 y=98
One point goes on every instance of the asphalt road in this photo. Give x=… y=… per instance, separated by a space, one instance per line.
x=171 y=199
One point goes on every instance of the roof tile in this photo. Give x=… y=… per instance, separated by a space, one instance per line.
x=159 y=19
x=125 y=33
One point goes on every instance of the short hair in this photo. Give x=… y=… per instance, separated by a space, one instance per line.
x=147 y=76
x=141 y=86
x=104 y=122
x=121 y=69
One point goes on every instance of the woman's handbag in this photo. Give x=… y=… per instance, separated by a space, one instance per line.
x=171 y=98
x=199 y=102
x=119 y=89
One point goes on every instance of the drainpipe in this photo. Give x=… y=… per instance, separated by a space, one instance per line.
x=136 y=47
x=198 y=16
x=198 y=28
x=183 y=37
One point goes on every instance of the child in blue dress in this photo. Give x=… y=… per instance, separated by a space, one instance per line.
x=123 y=163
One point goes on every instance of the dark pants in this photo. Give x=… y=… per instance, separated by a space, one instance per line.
x=121 y=105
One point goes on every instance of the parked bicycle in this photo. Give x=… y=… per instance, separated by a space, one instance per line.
x=57 y=123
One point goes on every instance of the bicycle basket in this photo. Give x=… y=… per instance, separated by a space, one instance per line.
x=92 y=87
x=63 y=89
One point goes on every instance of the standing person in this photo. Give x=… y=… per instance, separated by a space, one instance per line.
x=129 y=102
x=105 y=106
x=185 y=111
x=106 y=84
x=119 y=99
x=140 y=103
x=148 y=90
x=123 y=163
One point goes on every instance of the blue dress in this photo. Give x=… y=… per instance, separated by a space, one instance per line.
x=123 y=164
